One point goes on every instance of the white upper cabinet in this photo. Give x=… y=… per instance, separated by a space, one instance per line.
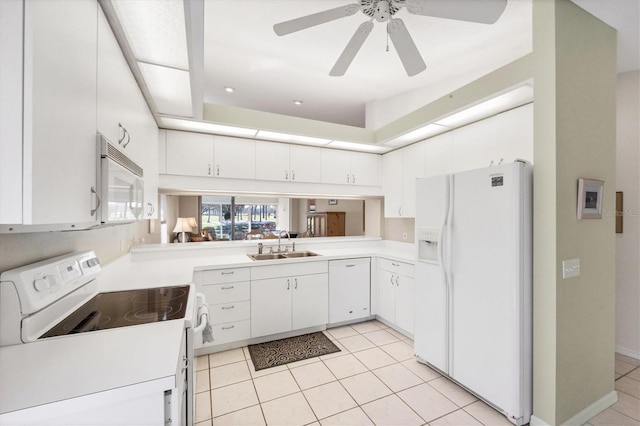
x=400 y=170
x=234 y=157
x=149 y=152
x=349 y=168
x=287 y=163
x=189 y=154
x=502 y=138
x=58 y=107
x=118 y=104
x=438 y=155
x=272 y=161
x=304 y=164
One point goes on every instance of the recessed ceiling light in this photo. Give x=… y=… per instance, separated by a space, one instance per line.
x=297 y=102
x=229 y=89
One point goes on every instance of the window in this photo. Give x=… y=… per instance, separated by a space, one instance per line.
x=222 y=214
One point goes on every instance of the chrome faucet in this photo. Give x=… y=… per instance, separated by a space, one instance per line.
x=280 y=236
x=260 y=247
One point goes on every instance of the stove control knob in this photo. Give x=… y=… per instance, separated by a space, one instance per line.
x=44 y=283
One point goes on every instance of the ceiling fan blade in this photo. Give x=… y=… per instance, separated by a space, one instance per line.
x=312 y=20
x=352 y=49
x=406 y=48
x=481 y=11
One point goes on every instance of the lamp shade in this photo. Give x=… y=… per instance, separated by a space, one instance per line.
x=192 y=222
x=182 y=225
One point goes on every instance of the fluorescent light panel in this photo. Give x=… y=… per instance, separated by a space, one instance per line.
x=155 y=30
x=492 y=106
x=205 y=127
x=417 y=135
x=170 y=89
x=286 y=137
x=357 y=146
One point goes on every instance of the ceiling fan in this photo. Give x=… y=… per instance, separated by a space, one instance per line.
x=480 y=11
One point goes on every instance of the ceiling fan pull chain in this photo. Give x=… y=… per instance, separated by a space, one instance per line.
x=387 y=36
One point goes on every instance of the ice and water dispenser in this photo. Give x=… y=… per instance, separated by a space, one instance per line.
x=428 y=240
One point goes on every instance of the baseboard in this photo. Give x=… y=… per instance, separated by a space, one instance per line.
x=628 y=352
x=585 y=415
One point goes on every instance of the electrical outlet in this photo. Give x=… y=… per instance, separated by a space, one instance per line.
x=570 y=268
x=404 y=235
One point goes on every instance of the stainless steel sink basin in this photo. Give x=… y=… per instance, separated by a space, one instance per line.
x=267 y=256
x=300 y=254
x=287 y=255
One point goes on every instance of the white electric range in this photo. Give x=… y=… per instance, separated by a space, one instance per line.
x=78 y=355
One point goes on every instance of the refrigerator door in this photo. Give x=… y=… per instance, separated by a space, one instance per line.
x=431 y=338
x=488 y=288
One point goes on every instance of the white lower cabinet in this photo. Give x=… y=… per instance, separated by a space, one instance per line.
x=228 y=293
x=288 y=297
x=349 y=289
x=396 y=288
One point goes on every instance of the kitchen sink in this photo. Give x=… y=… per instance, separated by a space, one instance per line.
x=267 y=256
x=287 y=255
x=300 y=254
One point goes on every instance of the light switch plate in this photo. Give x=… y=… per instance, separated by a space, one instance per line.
x=570 y=268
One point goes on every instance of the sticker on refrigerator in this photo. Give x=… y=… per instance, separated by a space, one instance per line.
x=497 y=180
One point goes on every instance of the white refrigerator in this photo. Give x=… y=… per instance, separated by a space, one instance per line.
x=473 y=313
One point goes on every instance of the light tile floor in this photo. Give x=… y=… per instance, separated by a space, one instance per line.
x=374 y=380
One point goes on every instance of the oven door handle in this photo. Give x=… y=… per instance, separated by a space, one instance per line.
x=203 y=313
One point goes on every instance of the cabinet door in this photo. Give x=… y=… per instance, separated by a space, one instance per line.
x=412 y=168
x=438 y=155
x=117 y=91
x=405 y=292
x=272 y=161
x=310 y=300
x=149 y=137
x=349 y=289
x=335 y=224
x=189 y=154
x=475 y=146
x=335 y=166
x=364 y=168
x=304 y=164
x=59 y=142
x=387 y=295
x=392 y=183
x=234 y=157
x=270 y=306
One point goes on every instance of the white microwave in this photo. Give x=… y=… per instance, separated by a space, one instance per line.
x=120 y=185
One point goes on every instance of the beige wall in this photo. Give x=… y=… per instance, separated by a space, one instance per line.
x=109 y=243
x=574 y=137
x=628 y=243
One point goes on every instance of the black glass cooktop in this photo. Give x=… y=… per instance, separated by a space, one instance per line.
x=124 y=308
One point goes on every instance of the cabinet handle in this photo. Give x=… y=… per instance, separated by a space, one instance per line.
x=128 y=138
x=296 y=281
x=347 y=177
x=98 y=202
x=397 y=280
x=227 y=273
x=218 y=170
x=349 y=266
x=226 y=288
x=293 y=175
x=288 y=284
x=151 y=209
x=286 y=174
x=224 y=308
x=391 y=279
x=229 y=327
x=353 y=178
x=395 y=264
x=209 y=169
x=124 y=133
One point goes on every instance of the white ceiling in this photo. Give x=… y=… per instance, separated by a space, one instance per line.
x=269 y=72
x=232 y=43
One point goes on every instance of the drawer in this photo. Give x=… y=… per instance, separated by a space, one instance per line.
x=230 y=275
x=231 y=332
x=400 y=268
x=225 y=293
x=230 y=312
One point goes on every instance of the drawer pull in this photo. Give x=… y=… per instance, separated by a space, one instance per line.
x=228 y=327
x=227 y=307
x=395 y=264
x=227 y=273
x=349 y=266
x=227 y=288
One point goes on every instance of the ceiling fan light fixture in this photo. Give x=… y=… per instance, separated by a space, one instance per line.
x=229 y=89
x=297 y=102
